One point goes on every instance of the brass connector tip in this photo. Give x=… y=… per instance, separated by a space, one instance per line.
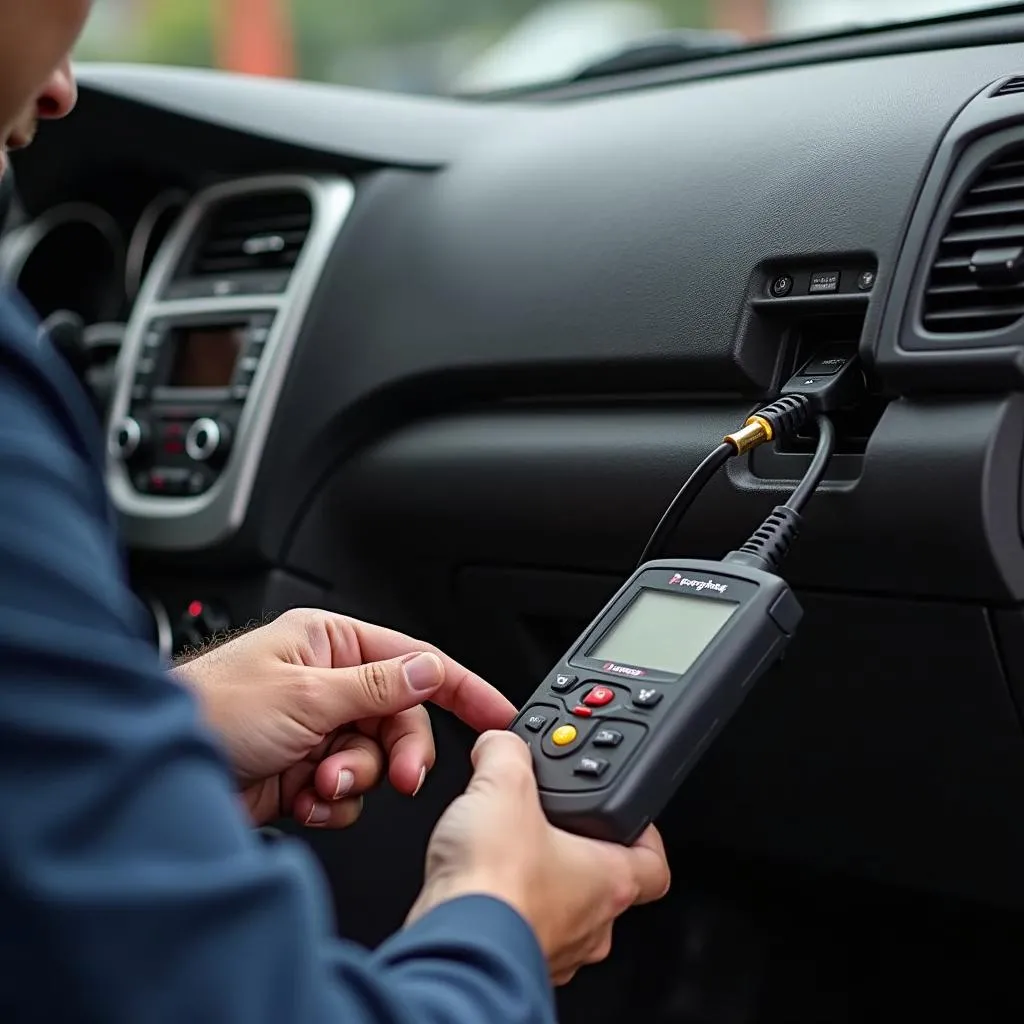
x=769 y=430
x=754 y=432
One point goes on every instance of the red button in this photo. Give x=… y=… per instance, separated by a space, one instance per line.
x=599 y=696
x=582 y=711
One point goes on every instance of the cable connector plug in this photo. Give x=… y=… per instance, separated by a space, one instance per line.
x=830 y=380
x=783 y=417
x=771 y=542
x=786 y=415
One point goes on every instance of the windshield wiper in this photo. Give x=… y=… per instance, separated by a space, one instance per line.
x=664 y=50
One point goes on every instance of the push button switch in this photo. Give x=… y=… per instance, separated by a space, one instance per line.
x=593 y=759
x=563 y=683
x=594 y=767
x=563 y=735
x=646 y=697
x=537 y=720
x=599 y=696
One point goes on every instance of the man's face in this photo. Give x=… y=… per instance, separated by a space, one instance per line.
x=36 y=37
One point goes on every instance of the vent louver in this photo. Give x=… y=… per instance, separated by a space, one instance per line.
x=976 y=284
x=251 y=243
x=1010 y=87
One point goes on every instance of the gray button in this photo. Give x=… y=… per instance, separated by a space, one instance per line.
x=593 y=766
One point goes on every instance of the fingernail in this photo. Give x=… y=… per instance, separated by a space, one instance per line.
x=346 y=780
x=423 y=672
x=318 y=814
x=423 y=778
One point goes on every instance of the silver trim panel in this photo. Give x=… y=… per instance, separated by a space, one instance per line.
x=189 y=523
x=134 y=267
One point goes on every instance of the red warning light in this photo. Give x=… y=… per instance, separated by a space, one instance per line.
x=195 y=609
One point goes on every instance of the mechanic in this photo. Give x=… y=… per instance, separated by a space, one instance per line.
x=133 y=885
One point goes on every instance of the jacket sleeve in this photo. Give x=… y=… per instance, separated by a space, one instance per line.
x=131 y=887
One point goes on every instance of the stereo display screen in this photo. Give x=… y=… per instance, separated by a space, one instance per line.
x=205 y=357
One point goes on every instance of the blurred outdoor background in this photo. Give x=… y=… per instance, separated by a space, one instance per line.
x=448 y=46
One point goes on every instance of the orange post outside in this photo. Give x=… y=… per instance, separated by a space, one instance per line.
x=255 y=37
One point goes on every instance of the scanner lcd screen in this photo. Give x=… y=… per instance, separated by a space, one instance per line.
x=663 y=632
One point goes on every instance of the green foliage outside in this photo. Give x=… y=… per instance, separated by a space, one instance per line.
x=333 y=37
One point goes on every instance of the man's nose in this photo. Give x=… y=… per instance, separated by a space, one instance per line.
x=59 y=95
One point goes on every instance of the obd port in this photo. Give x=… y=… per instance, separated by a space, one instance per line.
x=854 y=425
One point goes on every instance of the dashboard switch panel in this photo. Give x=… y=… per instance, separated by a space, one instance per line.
x=202 y=367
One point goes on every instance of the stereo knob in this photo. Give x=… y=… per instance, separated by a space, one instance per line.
x=205 y=439
x=128 y=438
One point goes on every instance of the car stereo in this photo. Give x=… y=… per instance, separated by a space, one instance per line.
x=190 y=384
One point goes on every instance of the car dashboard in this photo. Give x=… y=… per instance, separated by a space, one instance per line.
x=442 y=363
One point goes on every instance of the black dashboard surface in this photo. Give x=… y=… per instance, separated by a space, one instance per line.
x=595 y=246
x=537 y=318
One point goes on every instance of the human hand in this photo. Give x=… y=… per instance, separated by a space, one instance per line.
x=495 y=840
x=313 y=708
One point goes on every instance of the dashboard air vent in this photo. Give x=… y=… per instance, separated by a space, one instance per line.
x=976 y=284
x=1010 y=87
x=245 y=245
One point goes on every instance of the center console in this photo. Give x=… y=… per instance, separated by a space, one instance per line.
x=206 y=353
x=189 y=390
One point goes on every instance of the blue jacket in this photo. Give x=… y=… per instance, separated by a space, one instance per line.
x=131 y=887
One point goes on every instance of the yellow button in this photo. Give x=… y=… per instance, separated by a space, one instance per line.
x=563 y=735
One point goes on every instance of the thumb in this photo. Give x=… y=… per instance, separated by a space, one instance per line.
x=504 y=759
x=379 y=689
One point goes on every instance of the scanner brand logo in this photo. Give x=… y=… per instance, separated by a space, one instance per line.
x=622 y=670
x=678 y=580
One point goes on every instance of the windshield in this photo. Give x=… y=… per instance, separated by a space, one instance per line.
x=455 y=46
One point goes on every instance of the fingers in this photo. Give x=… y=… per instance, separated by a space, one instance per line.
x=376 y=689
x=502 y=758
x=601 y=948
x=408 y=741
x=313 y=812
x=496 y=753
x=462 y=692
x=595 y=949
x=503 y=774
x=650 y=866
x=354 y=766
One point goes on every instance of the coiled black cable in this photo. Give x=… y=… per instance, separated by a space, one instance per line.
x=770 y=542
x=783 y=417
